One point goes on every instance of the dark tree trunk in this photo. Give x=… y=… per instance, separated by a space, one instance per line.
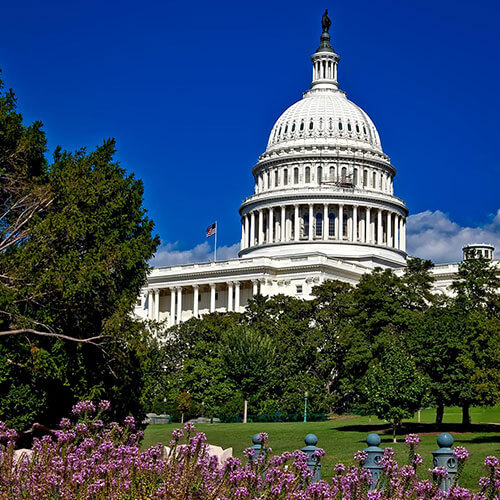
x=465 y=415
x=439 y=413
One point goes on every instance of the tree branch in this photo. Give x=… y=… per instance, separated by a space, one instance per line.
x=88 y=340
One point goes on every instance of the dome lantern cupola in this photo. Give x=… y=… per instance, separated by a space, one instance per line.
x=325 y=60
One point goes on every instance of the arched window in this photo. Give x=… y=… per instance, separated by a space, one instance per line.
x=276 y=178
x=345 y=226
x=355 y=177
x=349 y=126
x=320 y=174
x=311 y=125
x=364 y=129
x=286 y=128
x=357 y=128
x=308 y=175
x=332 y=173
x=305 y=232
x=340 y=125
x=344 y=174
x=365 y=178
x=331 y=224
x=296 y=175
x=279 y=133
x=319 y=224
x=268 y=180
x=285 y=177
x=374 y=180
x=331 y=124
x=293 y=127
x=301 y=126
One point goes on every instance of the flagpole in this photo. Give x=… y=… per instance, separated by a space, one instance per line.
x=215 y=246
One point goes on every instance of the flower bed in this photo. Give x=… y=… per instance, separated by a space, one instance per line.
x=91 y=460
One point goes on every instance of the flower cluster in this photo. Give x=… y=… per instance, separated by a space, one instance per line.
x=90 y=460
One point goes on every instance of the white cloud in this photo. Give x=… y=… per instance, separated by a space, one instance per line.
x=169 y=255
x=432 y=235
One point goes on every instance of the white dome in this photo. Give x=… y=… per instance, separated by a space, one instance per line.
x=324 y=117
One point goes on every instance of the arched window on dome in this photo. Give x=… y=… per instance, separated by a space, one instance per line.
x=349 y=128
x=319 y=224
x=296 y=175
x=331 y=224
x=320 y=174
x=365 y=178
x=308 y=175
x=374 y=185
x=331 y=124
x=293 y=127
x=340 y=125
x=355 y=177
x=344 y=174
x=357 y=128
x=268 y=180
x=279 y=133
x=364 y=129
x=311 y=125
x=344 y=232
x=276 y=178
x=286 y=129
x=301 y=126
x=285 y=177
x=332 y=174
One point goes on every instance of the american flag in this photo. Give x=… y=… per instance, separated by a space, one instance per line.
x=212 y=229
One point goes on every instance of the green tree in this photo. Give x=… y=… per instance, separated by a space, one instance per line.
x=393 y=389
x=69 y=284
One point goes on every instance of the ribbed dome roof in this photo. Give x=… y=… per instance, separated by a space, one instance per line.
x=324 y=117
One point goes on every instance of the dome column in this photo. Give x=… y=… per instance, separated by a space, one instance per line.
x=242 y=244
x=325 y=221
x=271 y=225
x=172 y=307
x=395 y=240
x=283 y=224
x=402 y=234
x=368 y=226
x=380 y=237
x=196 y=294
x=252 y=229
x=341 y=222
x=212 y=297
x=296 y=225
x=230 y=288
x=179 y=305
x=261 y=227
x=237 y=296
x=389 y=229
x=355 y=223
x=311 y=216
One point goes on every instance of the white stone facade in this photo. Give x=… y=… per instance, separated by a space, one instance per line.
x=323 y=208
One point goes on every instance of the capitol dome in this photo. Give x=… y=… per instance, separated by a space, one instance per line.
x=324 y=117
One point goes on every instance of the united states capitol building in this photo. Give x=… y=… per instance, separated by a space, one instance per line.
x=324 y=207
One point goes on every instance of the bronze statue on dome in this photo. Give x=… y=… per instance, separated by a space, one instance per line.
x=325 y=22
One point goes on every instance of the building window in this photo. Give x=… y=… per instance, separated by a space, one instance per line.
x=365 y=178
x=340 y=125
x=296 y=175
x=345 y=226
x=311 y=125
x=199 y=297
x=355 y=177
x=357 y=128
x=286 y=128
x=216 y=296
x=301 y=126
x=293 y=127
x=268 y=180
x=308 y=175
x=332 y=173
x=374 y=180
x=299 y=288
x=306 y=226
x=344 y=174
x=331 y=224
x=276 y=178
x=319 y=224
x=349 y=126
x=285 y=177
x=320 y=174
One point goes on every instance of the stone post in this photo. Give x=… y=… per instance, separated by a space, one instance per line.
x=374 y=456
x=313 y=463
x=443 y=457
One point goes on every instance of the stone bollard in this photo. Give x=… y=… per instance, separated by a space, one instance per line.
x=443 y=457
x=313 y=462
x=256 y=447
x=374 y=456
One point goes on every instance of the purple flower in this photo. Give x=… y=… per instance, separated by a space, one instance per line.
x=491 y=461
x=83 y=407
x=461 y=453
x=360 y=456
x=412 y=439
x=318 y=453
x=104 y=405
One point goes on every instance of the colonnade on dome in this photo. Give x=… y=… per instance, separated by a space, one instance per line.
x=323 y=221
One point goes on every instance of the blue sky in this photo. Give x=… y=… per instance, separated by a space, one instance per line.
x=190 y=90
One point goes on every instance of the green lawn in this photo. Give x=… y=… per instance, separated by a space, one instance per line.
x=341 y=437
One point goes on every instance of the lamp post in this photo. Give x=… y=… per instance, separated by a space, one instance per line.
x=164 y=406
x=305 y=405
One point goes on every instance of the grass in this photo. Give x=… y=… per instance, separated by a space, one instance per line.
x=344 y=435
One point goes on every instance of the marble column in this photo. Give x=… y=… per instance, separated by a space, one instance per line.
x=341 y=222
x=212 y=297
x=242 y=244
x=355 y=223
x=389 y=229
x=196 y=294
x=255 y=288
x=179 y=304
x=311 y=218
x=230 y=288
x=395 y=242
x=296 y=225
x=271 y=226
x=157 y=305
x=172 y=307
x=150 y=304
x=247 y=231
x=368 y=224
x=403 y=235
x=283 y=224
x=261 y=227
x=325 y=221
x=252 y=229
x=236 y=296
x=380 y=236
